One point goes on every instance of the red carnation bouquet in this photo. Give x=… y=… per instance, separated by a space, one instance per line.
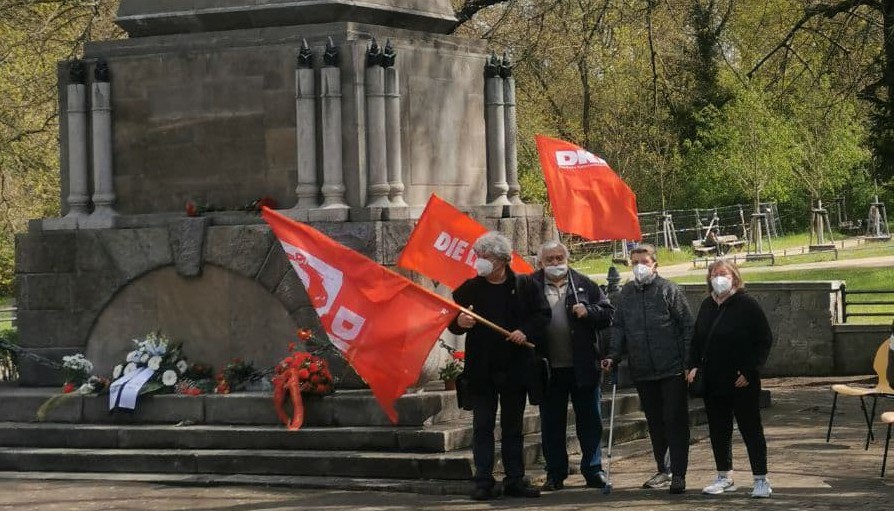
x=300 y=372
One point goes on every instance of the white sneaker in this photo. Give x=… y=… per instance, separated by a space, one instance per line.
x=762 y=489
x=720 y=485
x=659 y=480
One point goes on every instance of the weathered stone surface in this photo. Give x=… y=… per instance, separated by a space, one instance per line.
x=395 y=235
x=241 y=408
x=148 y=17
x=48 y=291
x=275 y=267
x=187 y=239
x=517 y=232
x=291 y=293
x=328 y=215
x=364 y=237
x=170 y=409
x=242 y=248
x=46 y=252
x=91 y=253
x=535 y=233
x=136 y=251
x=548 y=231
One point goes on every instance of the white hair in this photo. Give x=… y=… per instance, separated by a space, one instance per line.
x=552 y=245
x=493 y=244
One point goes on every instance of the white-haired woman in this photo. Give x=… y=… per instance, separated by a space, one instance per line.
x=498 y=369
x=730 y=344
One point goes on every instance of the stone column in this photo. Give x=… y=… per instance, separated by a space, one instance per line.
x=392 y=123
x=101 y=120
x=495 y=135
x=306 y=132
x=330 y=95
x=511 y=122
x=377 y=160
x=76 y=119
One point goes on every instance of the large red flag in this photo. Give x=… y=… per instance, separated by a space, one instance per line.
x=440 y=247
x=384 y=325
x=587 y=197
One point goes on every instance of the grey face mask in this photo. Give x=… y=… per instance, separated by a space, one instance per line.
x=483 y=267
x=643 y=274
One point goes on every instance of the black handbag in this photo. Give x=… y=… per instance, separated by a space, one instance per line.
x=698 y=386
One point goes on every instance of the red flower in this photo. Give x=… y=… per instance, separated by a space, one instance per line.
x=305 y=333
x=292 y=347
x=459 y=355
x=303 y=374
x=191 y=208
x=268 y=201
x=68 y=388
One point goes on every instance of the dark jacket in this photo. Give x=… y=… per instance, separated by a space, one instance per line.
x=740 y=343
x=490 y=358
x=584 y=332
x=652 y=329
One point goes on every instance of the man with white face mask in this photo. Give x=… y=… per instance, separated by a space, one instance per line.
x=579 y=310
x=652 y=329
x=500 y=370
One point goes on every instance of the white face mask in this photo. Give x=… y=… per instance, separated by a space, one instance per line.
x=556 y=272
x=721 y=284
x=483 y=267
x=642 y=273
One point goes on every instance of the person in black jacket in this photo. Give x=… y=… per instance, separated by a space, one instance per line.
x=579 y=310
x=500 y=369
x=652 y=328
x=730 y=343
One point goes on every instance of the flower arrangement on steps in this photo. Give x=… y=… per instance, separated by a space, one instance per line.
x=299 y=372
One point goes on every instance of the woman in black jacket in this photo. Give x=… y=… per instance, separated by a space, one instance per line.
x=730 y=344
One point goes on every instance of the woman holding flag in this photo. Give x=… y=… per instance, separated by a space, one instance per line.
x=499 y=371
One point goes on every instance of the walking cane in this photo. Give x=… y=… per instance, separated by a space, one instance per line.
x=611 y=432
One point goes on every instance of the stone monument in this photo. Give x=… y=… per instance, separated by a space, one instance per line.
x=348 y=114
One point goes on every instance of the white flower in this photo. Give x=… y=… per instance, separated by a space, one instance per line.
x=155 y=363
x=144 y=358
x=129 y=368
x=169 y=378
x=86 y=389
x=116 y=372
x=182 y=366
x=133 y=356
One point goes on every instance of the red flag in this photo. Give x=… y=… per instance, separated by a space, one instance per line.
x=587 y=197
x=384 y=325
x=440 y=247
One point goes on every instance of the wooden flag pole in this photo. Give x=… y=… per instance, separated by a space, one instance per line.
x=493 y=326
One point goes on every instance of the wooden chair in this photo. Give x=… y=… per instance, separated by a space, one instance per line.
x=881 y=389
x=887 y=418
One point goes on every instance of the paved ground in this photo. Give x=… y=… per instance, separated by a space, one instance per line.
x=806 y=473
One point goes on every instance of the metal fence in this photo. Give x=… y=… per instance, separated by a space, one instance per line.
x=682 y=226
x=869 y=307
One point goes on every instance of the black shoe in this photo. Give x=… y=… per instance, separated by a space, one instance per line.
x=678 y=484
x=521 y=490
x=551 y=485
x=597 y=480
x=485 y=493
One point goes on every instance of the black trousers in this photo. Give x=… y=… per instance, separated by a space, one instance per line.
x=744 y=404
x=484 y=417
x=666 y=405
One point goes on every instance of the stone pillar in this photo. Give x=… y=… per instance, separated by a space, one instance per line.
x=306 y=130
x=330 y=95
x=392 y=124
x=511 y=122
x=101 y=120
x=76 y=119
x=495 y=135
x=377 y=160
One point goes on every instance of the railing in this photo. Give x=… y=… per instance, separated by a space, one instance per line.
x=7 y=314
x=847 y=304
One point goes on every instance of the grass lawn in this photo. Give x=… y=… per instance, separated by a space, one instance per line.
x=5 y=321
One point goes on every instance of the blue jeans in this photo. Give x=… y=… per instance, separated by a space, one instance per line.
x=553 y=425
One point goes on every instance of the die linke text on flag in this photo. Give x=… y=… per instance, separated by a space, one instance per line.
x=440 y=247
x=587 y=197
x=383 y=324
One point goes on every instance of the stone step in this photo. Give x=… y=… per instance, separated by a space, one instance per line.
x=444 y=437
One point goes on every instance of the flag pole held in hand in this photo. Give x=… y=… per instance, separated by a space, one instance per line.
x=497 y=328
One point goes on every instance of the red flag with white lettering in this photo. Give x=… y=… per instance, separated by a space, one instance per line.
x=440 y=246
x=586 y=195
x=383 y=324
